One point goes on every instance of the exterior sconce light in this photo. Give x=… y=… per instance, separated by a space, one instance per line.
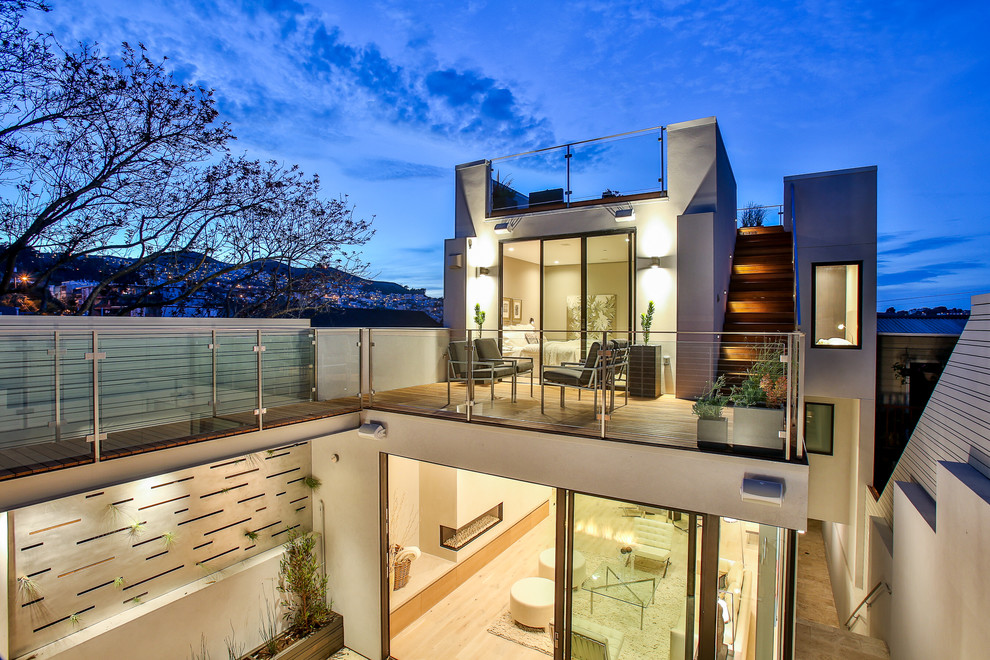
x=482 y=271
x=455 y=261
x=503 y=228
x=625 y=215
x=655 y=262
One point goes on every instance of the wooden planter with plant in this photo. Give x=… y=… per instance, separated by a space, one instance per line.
x=314 y=631
x=713 y=429
x=758 y=404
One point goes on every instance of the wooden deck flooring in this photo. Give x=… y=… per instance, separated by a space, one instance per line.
x=70 y=452
x=664 y=421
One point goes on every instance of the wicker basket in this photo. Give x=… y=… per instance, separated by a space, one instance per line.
x=401 y=574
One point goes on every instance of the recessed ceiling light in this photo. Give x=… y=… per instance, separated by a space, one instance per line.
x=556 y=262
x=512 y=249
x=627 y=240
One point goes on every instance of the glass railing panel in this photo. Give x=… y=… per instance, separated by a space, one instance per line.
x=338 y=368
x=530 y=181
x=410 y=370
x=42 y=431
x=236 y=368
x=291 y=364
x=156 y=391
x=614 y=168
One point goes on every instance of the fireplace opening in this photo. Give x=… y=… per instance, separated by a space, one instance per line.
x=456 y=539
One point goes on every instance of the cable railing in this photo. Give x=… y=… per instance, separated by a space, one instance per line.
x=710 y=391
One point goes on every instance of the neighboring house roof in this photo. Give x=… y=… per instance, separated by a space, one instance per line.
x=905 y=325
x=374 y=318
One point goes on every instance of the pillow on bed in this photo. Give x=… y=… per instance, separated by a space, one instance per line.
x=532 y=338
x=513 y=340
x=834 y=341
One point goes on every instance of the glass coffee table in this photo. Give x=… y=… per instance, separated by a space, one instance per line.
x=623 y=584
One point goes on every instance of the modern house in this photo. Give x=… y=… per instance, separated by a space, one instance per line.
x=531 y=479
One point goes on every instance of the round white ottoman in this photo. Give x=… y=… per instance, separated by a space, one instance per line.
x=547 y=564
x=531 y=602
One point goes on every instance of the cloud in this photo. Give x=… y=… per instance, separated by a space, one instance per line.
x=928 y=273
x=384 y=169
x=446 y=102
x=923 y=244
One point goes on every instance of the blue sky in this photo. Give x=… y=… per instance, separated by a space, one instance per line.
x=383 y=98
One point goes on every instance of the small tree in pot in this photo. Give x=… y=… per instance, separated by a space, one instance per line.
x=302 y=585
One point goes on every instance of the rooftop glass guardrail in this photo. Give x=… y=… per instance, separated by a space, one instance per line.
x=608 y=169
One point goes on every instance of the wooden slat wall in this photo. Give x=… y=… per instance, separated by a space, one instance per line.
x=956 y=423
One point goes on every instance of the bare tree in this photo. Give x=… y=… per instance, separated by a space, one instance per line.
x=753 y=215
x=119 y=160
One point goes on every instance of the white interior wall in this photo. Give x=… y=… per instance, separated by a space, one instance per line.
x=521 y=281
x=477 y=493
x=404 y=505
x=559 y=282
x=612 y=278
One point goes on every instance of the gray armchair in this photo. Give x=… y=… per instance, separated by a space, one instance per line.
x=486 y=349
x=460 y=369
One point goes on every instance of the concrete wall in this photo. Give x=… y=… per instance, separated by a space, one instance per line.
x=354 y=552
x=833 y=216
x=175 y=630
x=831 y=479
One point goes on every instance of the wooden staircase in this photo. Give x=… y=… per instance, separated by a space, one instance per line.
x=761 y=296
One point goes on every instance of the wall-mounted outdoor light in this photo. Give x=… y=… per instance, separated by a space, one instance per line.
x=624 y=215
x=455 y=261
x=655 y=262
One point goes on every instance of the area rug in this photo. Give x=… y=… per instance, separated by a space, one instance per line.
x=534 y=638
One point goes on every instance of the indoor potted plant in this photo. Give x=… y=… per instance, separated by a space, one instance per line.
x=758 y=404
x=713 y=429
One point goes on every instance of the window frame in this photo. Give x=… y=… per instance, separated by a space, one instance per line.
x=859 y=304
x=831 y=443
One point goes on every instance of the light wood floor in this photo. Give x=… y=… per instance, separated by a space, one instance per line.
x=665 y=421
x=456 y=628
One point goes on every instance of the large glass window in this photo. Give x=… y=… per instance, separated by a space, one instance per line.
x=836 y=293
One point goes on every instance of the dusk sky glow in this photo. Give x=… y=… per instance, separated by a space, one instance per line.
x=383 y=98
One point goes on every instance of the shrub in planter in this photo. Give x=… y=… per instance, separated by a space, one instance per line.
x=758 y=416
x=712 y=427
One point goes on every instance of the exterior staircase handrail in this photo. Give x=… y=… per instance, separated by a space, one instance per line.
x=851 y=621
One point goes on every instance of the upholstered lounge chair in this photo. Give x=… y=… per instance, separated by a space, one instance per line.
x=480 y=371
x=583 y=376
x=486 y=349
x=652 y=539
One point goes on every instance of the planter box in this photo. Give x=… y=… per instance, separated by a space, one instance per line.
x=756 y=430
x=713 y=433
x=645 y=375
x=319 y=646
